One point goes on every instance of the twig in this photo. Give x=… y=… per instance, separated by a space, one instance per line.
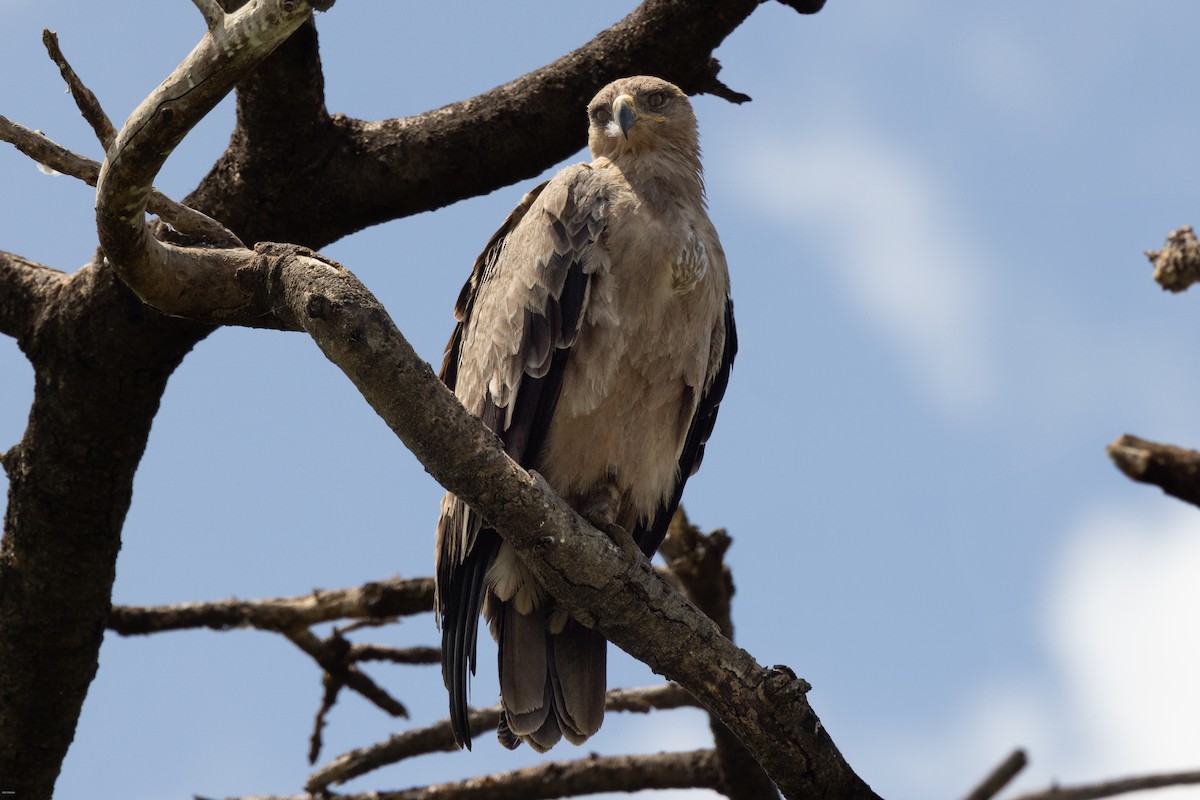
x=645 y=699
x=395 y=655
x=331 y=686
x=50 y=154
x=1173 y=469
x=438 y=737
x=331 y=655
x=390 y=598
x=1114 y=787
x=88 y=105
x=1000 y=777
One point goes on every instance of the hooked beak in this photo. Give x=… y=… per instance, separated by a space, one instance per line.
x=625 y=113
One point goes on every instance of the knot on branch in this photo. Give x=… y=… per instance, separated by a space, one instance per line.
x=1177 y=265
x=782 y=684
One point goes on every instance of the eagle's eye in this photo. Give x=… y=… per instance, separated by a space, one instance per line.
x=601 y=115
x=656 y=100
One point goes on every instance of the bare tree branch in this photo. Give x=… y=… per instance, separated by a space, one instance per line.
x=379 y=599
x=1177 y=265
x=49 y=154
x=153 y=131
x=439 y=738
x=396 y=655
x=88 y=105
x=1115 y=787
x=999 y=777
x=330 y=688
x=1173 y=469
x=690 y=770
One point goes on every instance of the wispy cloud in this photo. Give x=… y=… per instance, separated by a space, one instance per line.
x=895 y=245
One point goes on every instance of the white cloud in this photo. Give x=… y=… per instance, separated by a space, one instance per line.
x=1121 y=692
x=893 y=243
x=1124 y=624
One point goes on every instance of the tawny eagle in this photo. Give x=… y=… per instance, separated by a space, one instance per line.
x=595 y=336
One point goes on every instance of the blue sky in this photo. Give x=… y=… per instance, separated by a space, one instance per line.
x=935 y=214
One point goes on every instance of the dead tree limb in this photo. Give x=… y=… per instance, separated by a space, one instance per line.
x=1173 y=469
x=690 y=770
x=395 y=597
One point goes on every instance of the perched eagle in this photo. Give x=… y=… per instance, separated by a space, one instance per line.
x=595 y=336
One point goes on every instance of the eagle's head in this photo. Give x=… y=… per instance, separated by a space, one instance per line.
x=640 y=115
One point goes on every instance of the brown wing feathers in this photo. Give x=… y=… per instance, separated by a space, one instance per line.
x=547 y=334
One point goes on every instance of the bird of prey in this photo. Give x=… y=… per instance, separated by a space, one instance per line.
x=595 y=336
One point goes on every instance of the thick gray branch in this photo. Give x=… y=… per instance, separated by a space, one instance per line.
x=153 y=131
